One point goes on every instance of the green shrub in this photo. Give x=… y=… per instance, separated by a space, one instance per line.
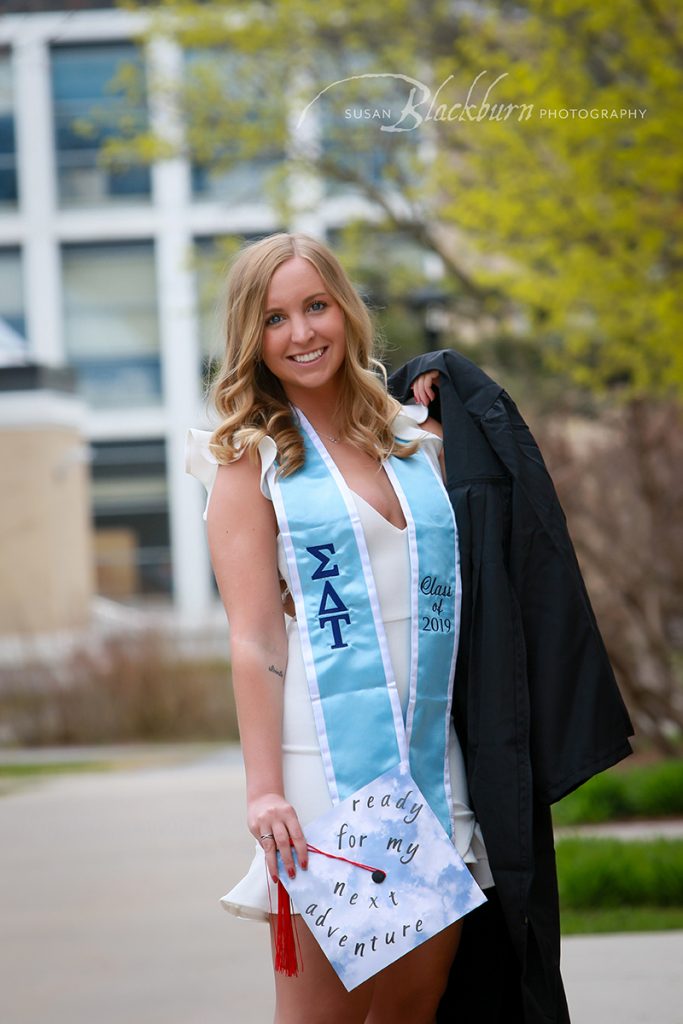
x=645 y=791
x=600 y=873
x=657 y=789
x=603 y=798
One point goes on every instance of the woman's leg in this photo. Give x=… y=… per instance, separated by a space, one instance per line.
x=409 y=990
x=406 y=992
x=316 y=995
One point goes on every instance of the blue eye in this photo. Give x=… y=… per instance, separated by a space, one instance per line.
x=272 y=321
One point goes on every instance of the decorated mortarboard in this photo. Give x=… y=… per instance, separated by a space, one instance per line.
x=383 y=877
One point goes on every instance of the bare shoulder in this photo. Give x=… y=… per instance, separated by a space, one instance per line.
x=433 y=426
x=241 y=533
x=237 y=498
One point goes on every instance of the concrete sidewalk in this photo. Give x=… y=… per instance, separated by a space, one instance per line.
x=624 y=979
x=109 y=905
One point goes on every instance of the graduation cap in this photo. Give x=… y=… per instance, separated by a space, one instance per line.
x=383 y=877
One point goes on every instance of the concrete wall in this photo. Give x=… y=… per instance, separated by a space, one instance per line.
x=46 y=544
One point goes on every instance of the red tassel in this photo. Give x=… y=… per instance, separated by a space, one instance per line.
x=285 y=939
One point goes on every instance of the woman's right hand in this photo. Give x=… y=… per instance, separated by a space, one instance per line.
x=274 y=823
x=423 y=387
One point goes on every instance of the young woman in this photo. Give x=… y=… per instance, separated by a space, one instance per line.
x=301 y=392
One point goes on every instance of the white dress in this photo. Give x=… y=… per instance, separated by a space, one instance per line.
x=304 y=776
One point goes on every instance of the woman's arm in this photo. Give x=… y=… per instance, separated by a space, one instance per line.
x=423 y=392
x=241 y=529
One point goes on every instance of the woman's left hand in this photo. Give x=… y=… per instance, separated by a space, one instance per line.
x=423 y=387
x=274 y=823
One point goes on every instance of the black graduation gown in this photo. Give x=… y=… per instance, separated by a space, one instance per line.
x=536 y=705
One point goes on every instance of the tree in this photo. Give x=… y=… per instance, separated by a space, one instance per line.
x=556 y=217
x=620 y=482
x=532 y=148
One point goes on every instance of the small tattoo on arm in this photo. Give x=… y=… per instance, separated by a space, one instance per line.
x=276 y=671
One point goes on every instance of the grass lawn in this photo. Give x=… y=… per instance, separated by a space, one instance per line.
x=621 y=919
x=18 y=771
x=614 y=885
x=16 y=774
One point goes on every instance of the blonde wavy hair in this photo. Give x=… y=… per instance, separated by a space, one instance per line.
x=251 y=400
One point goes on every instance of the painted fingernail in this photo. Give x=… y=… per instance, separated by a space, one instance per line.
x=274 y=877
x=304 y=864
x=291 y=873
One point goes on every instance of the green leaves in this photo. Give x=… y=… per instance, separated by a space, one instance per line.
x=547 y=174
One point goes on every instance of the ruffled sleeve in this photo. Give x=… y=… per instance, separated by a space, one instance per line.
x=268 y=451
x=199 y=461
x=203 y=465
x=406 y=428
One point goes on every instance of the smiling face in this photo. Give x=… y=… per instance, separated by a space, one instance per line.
x=304 y=340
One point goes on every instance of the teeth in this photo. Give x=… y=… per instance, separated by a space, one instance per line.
x=309 y=357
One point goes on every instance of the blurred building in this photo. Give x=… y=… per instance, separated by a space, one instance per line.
x=96 y=274
x=46 y=563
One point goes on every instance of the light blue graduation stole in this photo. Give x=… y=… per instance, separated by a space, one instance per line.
x=346 y=655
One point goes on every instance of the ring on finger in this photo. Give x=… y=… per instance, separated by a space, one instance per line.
x=268 y=835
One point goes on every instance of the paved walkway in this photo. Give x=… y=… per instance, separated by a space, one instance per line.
x=109 y=912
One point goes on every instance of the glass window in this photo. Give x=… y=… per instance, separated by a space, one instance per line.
x=91 y=106
x=212 y=259
x=12 y=322
x=224 y=89
x=352 y=143
x=111 y=324
x=8 y=156
x=210 y=267
x=130 y=509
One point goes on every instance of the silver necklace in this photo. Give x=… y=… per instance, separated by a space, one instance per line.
x=335 y=440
